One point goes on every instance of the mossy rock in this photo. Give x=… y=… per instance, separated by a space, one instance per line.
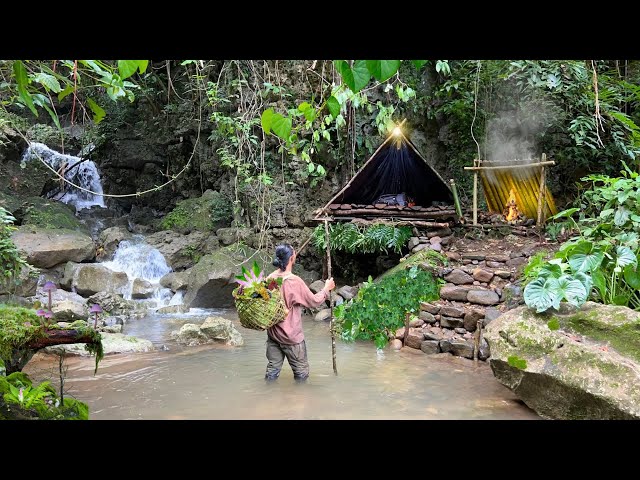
x=50 y=214
x=572 y=364
x=212 y=279
x=206 y=213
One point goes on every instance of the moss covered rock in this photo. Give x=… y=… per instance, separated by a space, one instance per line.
x=575 y=364
x=50 y=214
x=212 y=279
x=206 y=213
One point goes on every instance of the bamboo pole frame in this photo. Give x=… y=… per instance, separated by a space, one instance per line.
x=333 y=335
x=510 y=167
x=541 y=193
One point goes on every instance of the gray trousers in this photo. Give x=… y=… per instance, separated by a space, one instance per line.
x=296 y=356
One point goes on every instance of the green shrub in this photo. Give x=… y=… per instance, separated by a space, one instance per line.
x=379 y=308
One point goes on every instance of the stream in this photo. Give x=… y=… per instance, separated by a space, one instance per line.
x=221 y=382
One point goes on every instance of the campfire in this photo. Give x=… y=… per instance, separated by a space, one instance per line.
x=511 y=212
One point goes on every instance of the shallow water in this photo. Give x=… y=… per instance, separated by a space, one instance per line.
x=220 y=382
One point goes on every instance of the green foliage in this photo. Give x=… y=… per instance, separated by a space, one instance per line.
x=517 y=362
x=18 y=326
x=41 y=401
x=205 y=213
x=42 y=84
x=379 y=308
x=603 y=256
x=352 y=238
x=11 y=260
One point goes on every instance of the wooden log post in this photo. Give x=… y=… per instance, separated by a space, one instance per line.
x=407 y=317
x=333 y=335
x=477 y=340
x=541 y=193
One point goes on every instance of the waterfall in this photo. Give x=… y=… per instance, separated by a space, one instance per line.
x=84 y=174
x=138 y=259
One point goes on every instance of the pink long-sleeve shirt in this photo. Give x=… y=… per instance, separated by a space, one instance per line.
x=296 y=295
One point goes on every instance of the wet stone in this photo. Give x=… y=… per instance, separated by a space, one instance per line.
x=429 y=307
x=452 y=311
x=430 y=347
x=483 y=297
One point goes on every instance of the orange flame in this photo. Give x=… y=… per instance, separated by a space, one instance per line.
x=511 y=210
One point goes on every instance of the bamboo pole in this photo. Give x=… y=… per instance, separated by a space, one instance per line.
x=541 y=194
x=333 y=336
x=456 y=200
x=475 y=194
x=510 y=167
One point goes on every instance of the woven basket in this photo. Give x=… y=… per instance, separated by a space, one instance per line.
x=260 y=314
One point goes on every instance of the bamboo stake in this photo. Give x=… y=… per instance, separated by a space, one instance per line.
x=541 y=194
x=475 y=195
x=333 y=336
x=456 y=200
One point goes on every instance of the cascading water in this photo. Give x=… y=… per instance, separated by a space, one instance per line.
x=138 y=259
x=78 y=171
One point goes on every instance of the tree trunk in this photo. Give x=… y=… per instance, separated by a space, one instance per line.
x=21 y=356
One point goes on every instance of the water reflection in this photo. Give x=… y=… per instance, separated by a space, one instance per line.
x=220 y=382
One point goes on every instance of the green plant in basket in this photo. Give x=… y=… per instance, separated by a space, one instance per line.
x=253 y=284
x=258 y=299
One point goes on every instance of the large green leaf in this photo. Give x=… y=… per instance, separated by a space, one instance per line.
x=49 y=81
x=585 y=258
x=355 y=78
x=21 y=80
x=600 y=283
x=281 y=126
x=129 y=67
x=632 y=276
x=308 y=111
x=382 y=70
x=625 y=256
x=621 y=216
x=98 y=111
x=265 y=120
x=539 y=294
x=570 y=289
x=550 y=270
x=564 y=213
x=67 y=90
x=334 y=106
x=418 y=63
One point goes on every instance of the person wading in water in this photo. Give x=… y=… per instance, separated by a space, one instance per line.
x=286 y=339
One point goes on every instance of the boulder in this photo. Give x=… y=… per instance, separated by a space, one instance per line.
x=213 y=329
x=175 y=280
x=572 y=364
x=142 y=289
x=183 y=251
x=212 y=279
x=45 y=248
x=109 y=239
x=90 y=278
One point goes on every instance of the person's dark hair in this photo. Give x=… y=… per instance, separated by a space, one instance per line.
x=283 y=254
